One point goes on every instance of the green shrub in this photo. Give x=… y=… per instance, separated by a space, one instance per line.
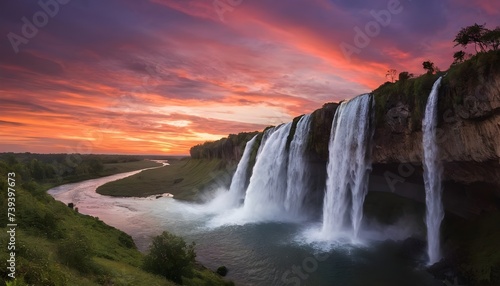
x=170 y=257
x=126 y=240
x=76 y=252
x=36 y=217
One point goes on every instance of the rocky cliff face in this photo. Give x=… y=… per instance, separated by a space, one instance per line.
x=468 y=127
x=229 y=149
x=468 y=134
x=469 y=143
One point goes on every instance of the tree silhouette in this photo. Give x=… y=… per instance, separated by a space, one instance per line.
x=404 y=76
x=429 y=67
x=459 y=57
x=472 y=34
x=391 y=74
x=492 y=38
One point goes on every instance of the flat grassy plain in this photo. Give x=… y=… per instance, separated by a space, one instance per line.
x=115 y=168
x=185 y=179
x=111 y=169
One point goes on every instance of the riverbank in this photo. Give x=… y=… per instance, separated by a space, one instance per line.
x=186 y=179
x=57 y=245
x=109 y=169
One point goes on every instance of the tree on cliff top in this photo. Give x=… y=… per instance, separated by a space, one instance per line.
x=391 y=74
x=479 y=36
x=492 y=38
x=404 y=76
x=459 y=57
x=429 y=67
x=471 y=34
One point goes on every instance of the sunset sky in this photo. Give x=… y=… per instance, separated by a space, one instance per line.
x=159 y=76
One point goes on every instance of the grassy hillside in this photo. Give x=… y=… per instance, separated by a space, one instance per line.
x=56 y=245
x=185 y=179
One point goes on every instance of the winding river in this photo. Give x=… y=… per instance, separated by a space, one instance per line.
x=265 y=253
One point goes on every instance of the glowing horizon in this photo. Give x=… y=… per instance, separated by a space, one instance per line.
x=160 y=76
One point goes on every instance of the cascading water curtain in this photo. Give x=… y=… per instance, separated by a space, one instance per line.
x=348 y=166
x=432 y=175
x=298 y=172
x=267 y=188
x=237 y=187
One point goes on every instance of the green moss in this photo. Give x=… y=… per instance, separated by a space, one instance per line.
x=468 y=79
x=460 y=81
x=412 y=92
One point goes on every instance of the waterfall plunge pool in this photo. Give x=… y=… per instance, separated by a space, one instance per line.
x=256 y=253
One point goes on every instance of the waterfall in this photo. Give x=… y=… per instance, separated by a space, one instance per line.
x=432 y=175
x=265 y=136
x=348 y=166
x=267 y=189
x=297 y=173
x=238 y=182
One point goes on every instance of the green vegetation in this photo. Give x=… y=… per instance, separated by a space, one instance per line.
x=467 y=74
x=479 y=36
x=170 y=257
x=461 y=81
x=65 y=168
x=412 y=91
x=227 y=149
x=404 y=76
x=185 y=179
x=430 y=67
x=56 y=245
x=116 y=168
x=468 y=78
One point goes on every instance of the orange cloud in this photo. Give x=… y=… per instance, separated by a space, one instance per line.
x=164 y=75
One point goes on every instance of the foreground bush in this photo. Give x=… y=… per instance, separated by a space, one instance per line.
x=170 y=257
x=76 y=252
